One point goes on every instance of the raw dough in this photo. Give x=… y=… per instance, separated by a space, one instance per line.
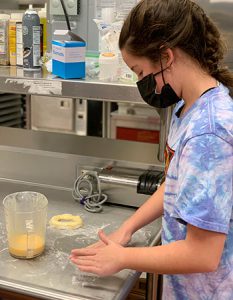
x=66 y=221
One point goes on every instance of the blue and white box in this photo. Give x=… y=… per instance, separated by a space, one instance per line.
x=68 y=59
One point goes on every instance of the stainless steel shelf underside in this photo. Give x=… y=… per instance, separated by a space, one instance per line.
x=16 y=80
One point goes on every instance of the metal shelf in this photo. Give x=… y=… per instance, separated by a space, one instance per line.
x=16 y=80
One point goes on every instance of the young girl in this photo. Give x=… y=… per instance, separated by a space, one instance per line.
x=176 y=52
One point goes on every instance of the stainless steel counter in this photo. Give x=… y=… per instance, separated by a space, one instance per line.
x=16 y=80
x=50 y=163
x=52 y=276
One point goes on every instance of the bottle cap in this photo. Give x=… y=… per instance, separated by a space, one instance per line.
x=4 y=17
x=107 y=55
x=43 y=12
x=16 y=16
x=31 y=11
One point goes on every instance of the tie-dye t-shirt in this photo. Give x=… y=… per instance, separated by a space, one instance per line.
x=199 y=190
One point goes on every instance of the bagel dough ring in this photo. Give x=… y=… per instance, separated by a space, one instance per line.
x=66 y=221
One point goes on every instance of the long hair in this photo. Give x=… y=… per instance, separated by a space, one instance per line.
x=155 y=25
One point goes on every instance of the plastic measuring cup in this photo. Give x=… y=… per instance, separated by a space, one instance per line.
x=26 y=217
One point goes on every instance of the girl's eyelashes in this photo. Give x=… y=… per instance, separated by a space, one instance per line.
x=140 y=75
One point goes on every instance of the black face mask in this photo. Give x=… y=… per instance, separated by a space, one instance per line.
x=147 y=86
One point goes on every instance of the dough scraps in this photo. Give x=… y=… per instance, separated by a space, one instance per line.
x=66 y=221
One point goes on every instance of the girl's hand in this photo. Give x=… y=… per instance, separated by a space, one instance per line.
x=121 y=236
x=103 y=260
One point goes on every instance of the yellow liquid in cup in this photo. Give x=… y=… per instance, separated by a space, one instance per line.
x=26 y=246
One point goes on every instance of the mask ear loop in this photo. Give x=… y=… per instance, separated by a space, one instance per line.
x=162 y=69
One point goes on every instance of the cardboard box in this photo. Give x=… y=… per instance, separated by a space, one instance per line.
x=68 y=59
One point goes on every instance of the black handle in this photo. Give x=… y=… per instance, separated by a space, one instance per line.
x=66 y=15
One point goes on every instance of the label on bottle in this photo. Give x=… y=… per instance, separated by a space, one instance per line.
x=19 y=44
x=2 y=41
x=12 y=43
x=36 y=45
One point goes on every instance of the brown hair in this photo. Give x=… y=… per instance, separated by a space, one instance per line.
x=160 y=24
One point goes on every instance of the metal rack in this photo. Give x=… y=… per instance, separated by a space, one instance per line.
x=12 y=110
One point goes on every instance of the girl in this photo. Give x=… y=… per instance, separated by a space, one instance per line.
x=176 y=52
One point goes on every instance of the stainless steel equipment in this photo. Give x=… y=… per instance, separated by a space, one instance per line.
x=52 y=114
x=49 y=163
x=136 y=123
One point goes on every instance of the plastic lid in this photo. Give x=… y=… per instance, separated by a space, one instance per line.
x=16 y=16
x=108 y=54
x=4 y=17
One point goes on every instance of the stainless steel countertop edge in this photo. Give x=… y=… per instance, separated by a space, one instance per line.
x=41 y=293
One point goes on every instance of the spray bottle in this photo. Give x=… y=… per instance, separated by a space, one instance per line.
x=31 y=40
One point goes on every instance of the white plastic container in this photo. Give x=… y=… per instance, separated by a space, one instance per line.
x=108 y=65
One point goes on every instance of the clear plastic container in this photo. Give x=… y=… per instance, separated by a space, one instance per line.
x=26 y=218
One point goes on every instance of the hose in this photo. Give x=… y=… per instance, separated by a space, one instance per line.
x=84 y=192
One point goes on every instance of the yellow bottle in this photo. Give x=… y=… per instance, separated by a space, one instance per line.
x=15 y=17
x=43 y=22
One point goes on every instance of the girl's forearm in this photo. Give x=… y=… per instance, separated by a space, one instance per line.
x=148 y=212
x=174 y=258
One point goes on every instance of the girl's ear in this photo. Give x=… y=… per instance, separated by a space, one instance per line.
x=167 y=57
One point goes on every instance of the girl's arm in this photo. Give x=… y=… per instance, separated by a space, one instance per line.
x=200 y=252
x=148 y=212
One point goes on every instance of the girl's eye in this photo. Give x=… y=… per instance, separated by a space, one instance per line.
x=140 y=75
